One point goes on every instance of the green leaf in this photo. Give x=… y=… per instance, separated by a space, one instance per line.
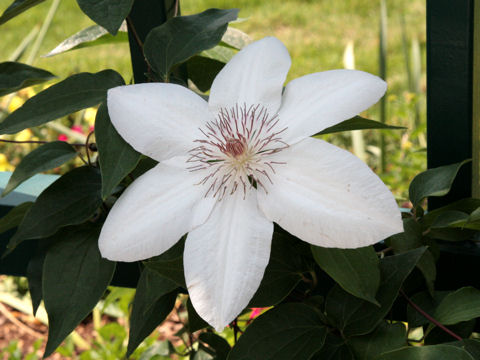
x=14 y=217
x=43 y=158
x=427 y=266
x=461 y=305
x=289 y=331
x=202 y=71
x=357 y=123
x=15 y=76
x=283 y=272
x=235 y=38
x=195 y=322
x=107 y=13
x=353 y=316
x=70 y=200
x=355 y=270
x=170 y=264
x=154 y=300
x=92 y=36
x=16 y=8
x=35 y=282
x=184 y=36
x=427 y=303
x=472 y=346
x=386 y=337
x=334 y=348
x=435 y=335
x=219 y=53
x=434 y=352
x=450 y=218
x=75 y=93
x=433 y=182
x=75 y=276
x=117 y=158
x=219 y=344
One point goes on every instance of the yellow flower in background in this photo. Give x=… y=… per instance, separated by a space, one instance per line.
x=24 y=135
x=89 y=116
x=4 y=164
x=15 y=103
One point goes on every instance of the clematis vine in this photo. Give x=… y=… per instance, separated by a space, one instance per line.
x=230 y=167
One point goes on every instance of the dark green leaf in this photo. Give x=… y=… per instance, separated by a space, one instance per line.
x=427 y=303
x=70 y=200
x=465 y=205
x=472 y=346
x=77 y=92
x=43 y=158
x=14 y=217
x=34 y=275
x=92 y=36
x=117 y=158
x=433 y=182
x=170 y=264
x=195 y=322
x=450 y=218
x=435 y=335
x=334 y=348
x=410 y=239
x=143 y=166
x=219 y=344
x=354 y=316
x=435 y=352
x=15 y=76
x=75 y=276
x=283 y=272
x=107 y=13
x=16 y=8
x=451 y=234
x=386 y=337
x=355 y=270
x=427 y=266
x=357 y=123
x=202 y=71
x=154 y=299
x=184 y=36
x=289 y=331
x=461 y=305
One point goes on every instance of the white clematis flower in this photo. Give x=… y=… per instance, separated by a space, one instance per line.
x=231 y=167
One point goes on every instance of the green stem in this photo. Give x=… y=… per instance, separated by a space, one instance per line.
x=383 y=74
x=43 y=31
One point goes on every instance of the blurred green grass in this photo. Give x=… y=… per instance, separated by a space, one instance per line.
x=314 y=31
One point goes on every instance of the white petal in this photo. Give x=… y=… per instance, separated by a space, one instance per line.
x=253 y=76
x=314 y=102
x=153 y=214
x=158 y=120
x=225 y=258
x=328 y=197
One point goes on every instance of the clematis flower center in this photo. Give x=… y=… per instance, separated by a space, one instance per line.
x=235 y=150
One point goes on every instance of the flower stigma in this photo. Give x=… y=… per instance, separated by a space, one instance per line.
x=235 y=150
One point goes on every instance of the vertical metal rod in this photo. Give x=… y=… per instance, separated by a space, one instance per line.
x=476 y=102
x=449 y=91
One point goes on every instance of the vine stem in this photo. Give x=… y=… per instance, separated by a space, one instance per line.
x=34 y=142
x=428 y=317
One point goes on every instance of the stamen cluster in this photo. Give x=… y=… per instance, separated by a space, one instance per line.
x=236 y=149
